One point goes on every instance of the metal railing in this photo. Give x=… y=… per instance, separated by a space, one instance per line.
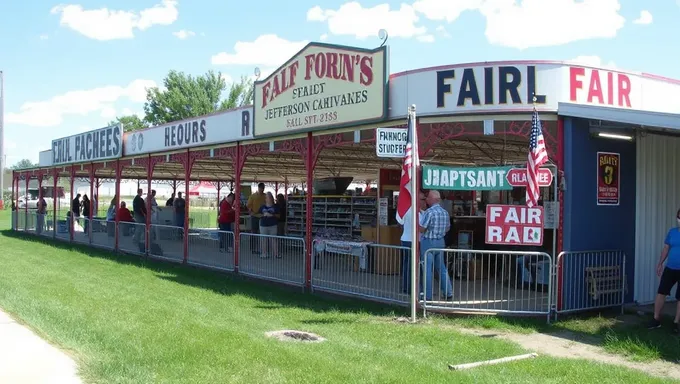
x=31 y=221
x=131 y=238
x=373 y=271
x=166 y=242
x=45 y=225
x=103 y=233
x=495 y=282
x=62 y=227
x=21 y=220
x=589 y=280
x=81 y=230
x=211 y=248
x=276 y=258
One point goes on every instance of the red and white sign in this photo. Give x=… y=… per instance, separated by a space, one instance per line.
x=323 y=86
x=514 y=225
x=517 y=177
x=599 y=87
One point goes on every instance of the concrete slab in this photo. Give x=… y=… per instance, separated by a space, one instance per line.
x=25 y=358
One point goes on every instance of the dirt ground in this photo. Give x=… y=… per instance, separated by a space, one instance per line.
x=566 y=345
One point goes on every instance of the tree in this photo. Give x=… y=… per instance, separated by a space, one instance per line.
x=23 y=164
x=186 y=96
x=130 y=123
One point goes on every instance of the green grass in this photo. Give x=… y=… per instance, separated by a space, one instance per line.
x=126 y=320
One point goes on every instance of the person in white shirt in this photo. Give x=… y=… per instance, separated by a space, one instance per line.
x=154 y=215
x=407 y=241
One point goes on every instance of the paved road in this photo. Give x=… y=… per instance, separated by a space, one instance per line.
x=25 y=358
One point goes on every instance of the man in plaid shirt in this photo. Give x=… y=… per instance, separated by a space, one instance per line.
x=434 y=224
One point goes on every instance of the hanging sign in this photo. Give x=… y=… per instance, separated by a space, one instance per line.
x=514 y=225
x=100 y=144
x=390 y=142
x=517 y=177
x=323 y=86
x=466 y=179
x=608 y=178
x=222 y=127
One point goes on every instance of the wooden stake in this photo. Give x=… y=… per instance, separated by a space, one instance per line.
x=492 y=362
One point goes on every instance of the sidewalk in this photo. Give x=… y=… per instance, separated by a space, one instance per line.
x=27 y=359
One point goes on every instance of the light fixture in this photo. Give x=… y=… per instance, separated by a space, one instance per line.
x=614 y=136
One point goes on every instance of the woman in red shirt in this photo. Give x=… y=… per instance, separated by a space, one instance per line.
x=226 y=218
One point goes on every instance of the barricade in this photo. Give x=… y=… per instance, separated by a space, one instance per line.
x=31 y=221
x=211 y=248
x=21 y=220
x=131 y=238
x=45 y=225
x=372 y=271
x=590 y=280
x=81 y=230
x=275 y=258
x=166 y=242
x=103 y=233
x=472 y=281
x=62 y=226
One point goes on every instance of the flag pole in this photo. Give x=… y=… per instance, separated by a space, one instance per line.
x=414 y=211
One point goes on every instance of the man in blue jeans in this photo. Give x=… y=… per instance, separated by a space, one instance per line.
x=407 y=242
x=434 y=224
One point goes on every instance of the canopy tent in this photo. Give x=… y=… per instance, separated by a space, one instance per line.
x=203 y=188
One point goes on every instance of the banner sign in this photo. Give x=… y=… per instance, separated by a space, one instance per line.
x=608 y=178
x=218 y=128
x=517 y=177
x=390 y=142
x=514 y=225
x=100 y=144
x=323 y=86
x=466 y=179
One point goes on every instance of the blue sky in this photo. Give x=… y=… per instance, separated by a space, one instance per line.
x=72 y=67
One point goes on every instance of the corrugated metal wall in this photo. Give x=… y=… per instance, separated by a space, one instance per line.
x=657 y=200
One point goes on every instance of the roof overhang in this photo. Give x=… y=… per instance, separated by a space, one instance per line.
x=642 y=119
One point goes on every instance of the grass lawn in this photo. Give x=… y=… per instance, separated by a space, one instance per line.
x=129 y=321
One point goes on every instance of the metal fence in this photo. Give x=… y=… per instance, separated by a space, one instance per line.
x=211 y=248
x=166 y=242
x=81 y=230
x=21 y=220
x=590 y=280
x=103 y=234
x=62 y=227
x=373 y=271
x=131 y=238
x=276 y=258
x=487 y=281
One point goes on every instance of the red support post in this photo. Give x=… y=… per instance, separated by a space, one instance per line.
x=28 y=178
x=237 y=201
x=147 y=230
x=285 y=188
x=12 y=204
x=187 y=173
x=89 y=219
x=55 y=200
x=217 y=209
x=309 y=165
x=73 y=219
x=119 y=172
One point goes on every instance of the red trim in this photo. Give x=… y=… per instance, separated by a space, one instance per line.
x=238 y=167
x=72 y=219
x=119 y=172
x=187 y=172
x=309 y=164
x=560 y=168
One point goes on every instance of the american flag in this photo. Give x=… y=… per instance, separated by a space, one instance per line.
x=408 y=169
x=538 y=156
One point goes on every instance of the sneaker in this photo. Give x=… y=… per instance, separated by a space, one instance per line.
x=654 y=324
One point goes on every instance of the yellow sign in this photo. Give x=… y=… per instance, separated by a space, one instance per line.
x=323 y=86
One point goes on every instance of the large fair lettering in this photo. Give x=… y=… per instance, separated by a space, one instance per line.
x=496 y=85
x=603 y=87
x=191 y=132
x=99 y=144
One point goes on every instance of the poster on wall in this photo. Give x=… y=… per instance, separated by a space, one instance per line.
x=514 y=225
x=608 y=178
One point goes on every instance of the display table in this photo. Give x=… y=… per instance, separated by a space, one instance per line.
x=358 y=250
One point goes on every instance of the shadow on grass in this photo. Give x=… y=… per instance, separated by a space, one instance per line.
x=272 y=295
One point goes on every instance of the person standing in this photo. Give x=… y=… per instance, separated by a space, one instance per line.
x=171 y=201
x=179 y=205
x=670 y=276
x=281 y=204
x=154 y=214
x=139 y=212
x=255 y=202
x=42 y=212
x=434 y=224
x=75 y=211
x=269 y=225
x=407 y=242
x=86 y=214
x=226 y=219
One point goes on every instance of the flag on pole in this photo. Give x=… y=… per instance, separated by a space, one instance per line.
x=408 y=169
x=538 y=156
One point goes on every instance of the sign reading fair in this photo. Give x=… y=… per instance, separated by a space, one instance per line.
x=100 y=144
x=323 y=86
x=466 y=179
x=221 y=127
x=514 y=225
x=390 y=142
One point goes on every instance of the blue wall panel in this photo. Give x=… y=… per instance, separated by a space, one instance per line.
x=588 y=226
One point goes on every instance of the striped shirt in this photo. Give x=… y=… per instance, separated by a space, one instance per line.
x=436 y=221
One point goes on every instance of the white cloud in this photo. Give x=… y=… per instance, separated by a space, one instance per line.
x=44 y=36
x=592 y=61
x=108 y=112
x=51 y=112
x=106 y=24
x=351 y=19
x=644 y=19
x=184 y=34
x=534 y=23
x=426 y=39
x=266 y=50
x=442 y=31
x=323 y=37
x=126 y=112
